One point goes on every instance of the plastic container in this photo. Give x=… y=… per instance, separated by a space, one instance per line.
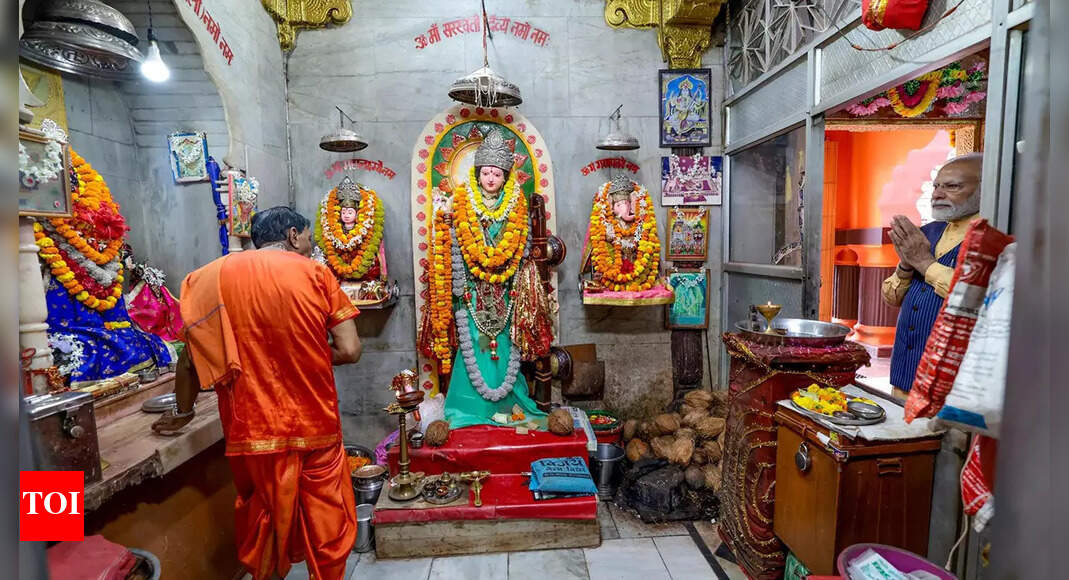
x=904 y=560
x=605 y=469
x=610 y=433
x=365 y=530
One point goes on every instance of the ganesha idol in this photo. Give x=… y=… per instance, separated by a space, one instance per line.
x=348 y=233
x=622 y=254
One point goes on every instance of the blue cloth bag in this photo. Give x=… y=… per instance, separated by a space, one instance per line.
x=568 y=475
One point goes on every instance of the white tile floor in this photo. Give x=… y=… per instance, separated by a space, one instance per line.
x=629 y=550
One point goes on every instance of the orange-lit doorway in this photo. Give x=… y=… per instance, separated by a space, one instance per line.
x=879 y=163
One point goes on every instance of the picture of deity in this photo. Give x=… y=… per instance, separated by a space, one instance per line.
x=243 y=194
x=691 y=307
x=189 y=156
x=688 y=239
x=685 y=110
x=691 y=180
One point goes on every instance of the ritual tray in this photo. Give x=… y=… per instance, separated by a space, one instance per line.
x=795 y=332
x=837 y=420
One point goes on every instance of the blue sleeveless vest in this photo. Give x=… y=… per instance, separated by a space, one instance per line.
x=920 y=307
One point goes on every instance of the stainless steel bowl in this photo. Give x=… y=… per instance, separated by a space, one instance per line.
x=795 y=331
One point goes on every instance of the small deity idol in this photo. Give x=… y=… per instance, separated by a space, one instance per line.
x=349 y=238
x=486 y=295
x=622 y=252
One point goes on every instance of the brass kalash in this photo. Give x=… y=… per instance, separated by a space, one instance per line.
x=405 y=485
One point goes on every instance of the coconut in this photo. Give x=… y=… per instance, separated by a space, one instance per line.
x=691 y=419
x=645 y=431
x=687 y=432
x=695 y=477
x=713 y=477
x=662 y=446
x=437 y=433
x=685 y=409
x=699 y=457
x=713 y=453
x=699 y=399
x=637 y=449
x=710 y=427
x=560 y=422
x=666 y=423
x=682 y=450
x=630 y=427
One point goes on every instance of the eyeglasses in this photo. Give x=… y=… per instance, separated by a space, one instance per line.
x=950 y=186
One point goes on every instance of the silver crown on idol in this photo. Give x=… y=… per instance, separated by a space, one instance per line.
x=620 y=186
x=348 y=193
x=494 y=152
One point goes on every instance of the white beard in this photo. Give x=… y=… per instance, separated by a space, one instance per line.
x=957 y=211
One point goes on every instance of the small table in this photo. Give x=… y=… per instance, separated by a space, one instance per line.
x=856 y=489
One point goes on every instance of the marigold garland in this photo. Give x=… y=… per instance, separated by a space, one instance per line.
x=96 y=214
x=490 y=263
x=350 y=255
x=440 y=302
x=606 y=253
x=510 y=191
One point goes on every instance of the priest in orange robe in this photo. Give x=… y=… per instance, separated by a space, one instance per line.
x=257 y=331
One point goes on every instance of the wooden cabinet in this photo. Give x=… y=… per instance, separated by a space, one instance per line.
x=853 y=491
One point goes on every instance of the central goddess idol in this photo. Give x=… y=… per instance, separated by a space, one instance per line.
x=487 y=309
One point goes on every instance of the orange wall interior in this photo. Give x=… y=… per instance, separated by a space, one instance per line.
x=858 y=166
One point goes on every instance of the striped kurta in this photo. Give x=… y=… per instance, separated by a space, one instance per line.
x=920 y=307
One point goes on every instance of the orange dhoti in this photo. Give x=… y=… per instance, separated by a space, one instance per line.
x=292 y=506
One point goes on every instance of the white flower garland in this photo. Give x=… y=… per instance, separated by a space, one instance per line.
x=104 y=275
x=69 y=345
x=357 y=237
x=629 y=244
x=467 y=352
x=44 y=170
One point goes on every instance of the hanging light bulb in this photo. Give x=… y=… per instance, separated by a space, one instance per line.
x=153 y=68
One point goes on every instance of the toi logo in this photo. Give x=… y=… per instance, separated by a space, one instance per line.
x=51 y=506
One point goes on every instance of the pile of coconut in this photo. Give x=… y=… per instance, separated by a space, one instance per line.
x=689 y=438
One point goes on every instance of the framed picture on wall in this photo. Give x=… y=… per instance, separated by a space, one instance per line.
x=686 y=118
x=691 y=180
x=44 y=176
x=189 y=156
x=691 y=307
x=688 y=234
x=243 y=194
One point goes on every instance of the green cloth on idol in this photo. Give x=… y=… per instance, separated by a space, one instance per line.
x=464 y=406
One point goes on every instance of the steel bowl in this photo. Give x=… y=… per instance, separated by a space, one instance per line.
x=794 y=332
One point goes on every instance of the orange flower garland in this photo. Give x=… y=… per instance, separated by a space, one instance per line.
x=441 y=293
x=350 y=263
x=607 y=254
x=63 y=274
x=96 y=211
x=494 y=264
x=93 y=195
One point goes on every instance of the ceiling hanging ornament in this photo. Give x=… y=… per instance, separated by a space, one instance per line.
x=618 y=139
x=343 y=140
x=484 y=87
x=82 y=37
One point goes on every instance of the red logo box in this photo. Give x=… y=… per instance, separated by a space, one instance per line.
x=51 y=506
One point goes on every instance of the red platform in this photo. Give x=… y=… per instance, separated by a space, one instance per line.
x=498 y=450
x=504 y=497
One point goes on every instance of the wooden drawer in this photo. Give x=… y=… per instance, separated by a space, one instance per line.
x=861 y=493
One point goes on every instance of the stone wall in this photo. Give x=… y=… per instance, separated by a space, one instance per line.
x=373 y=69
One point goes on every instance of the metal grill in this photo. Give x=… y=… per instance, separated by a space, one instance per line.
x=767 y=107
x=843 y=69
x=763 y=33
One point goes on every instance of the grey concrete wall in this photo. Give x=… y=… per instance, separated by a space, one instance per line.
x=121 y=128
x=371 y=68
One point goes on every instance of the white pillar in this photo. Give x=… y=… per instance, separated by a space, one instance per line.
x=33 y=311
